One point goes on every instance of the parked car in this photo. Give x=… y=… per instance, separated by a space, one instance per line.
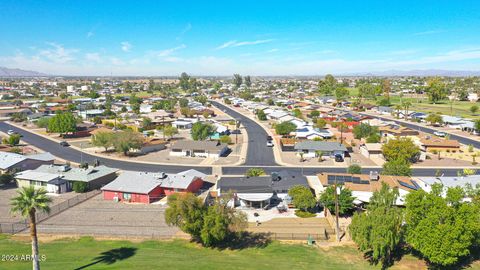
x=11 y=132
x=439 y=134
x=269 y=138
x=269 y=143
x=64 y=143
x=338 y=158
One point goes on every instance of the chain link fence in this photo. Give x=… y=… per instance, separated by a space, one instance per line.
x=16 y=227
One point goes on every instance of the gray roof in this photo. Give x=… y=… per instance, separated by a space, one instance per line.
x=453 y=181
x=144 y=182
x=212 y=146
x=36 y=176
x=8 y=159
x=320 y=146
x=279 y=182
x=78 y=174
x=134 y=182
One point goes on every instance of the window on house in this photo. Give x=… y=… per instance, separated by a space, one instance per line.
x=127 y=196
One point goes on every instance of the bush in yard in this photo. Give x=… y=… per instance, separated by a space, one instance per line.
x=304 y=214
x=202 y=131
x=6 y=178
x=12 y=140
x=252 y=172
x=80 y=187
x=225 y=139
x=354 y=169
x=302 y=197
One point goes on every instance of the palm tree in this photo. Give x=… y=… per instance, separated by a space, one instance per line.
x=398 y=107
x=406 y=105
x=28 y=201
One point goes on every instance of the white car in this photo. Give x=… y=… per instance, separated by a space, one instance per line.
x=11 y=132
x=269 y=144
x=439 y=133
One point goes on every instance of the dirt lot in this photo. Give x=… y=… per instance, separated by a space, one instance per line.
x=99 y=217
x=8 y=193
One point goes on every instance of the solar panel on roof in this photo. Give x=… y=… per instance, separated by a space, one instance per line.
x=331 y=177
x=364 y=182
x=347 y=178
x=407 y=185
x=356 y=180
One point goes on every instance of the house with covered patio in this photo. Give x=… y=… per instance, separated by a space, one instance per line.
x=260 y=191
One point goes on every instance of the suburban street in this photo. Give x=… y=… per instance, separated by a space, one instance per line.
x=70 y=154
x=258 y=153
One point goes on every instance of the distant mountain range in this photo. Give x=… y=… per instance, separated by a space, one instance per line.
x=15 y=72
x=418 y=73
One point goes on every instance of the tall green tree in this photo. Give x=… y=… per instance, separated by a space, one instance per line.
x=202 y=131
x=103 y=139
x=364 y=130
x=434 y=118
x=441 y=228
x=400 y=149
x=345 y=199
x=62 y=123
x=285 y=128
x=237 y=80
x=28 y=202
x=398 y=167
x=302 y=197
x=184 y=81
x=127 y=140
x=378 y=231
x=186 y=211
x=436 y=90
x=248 y=81
x=328 y=85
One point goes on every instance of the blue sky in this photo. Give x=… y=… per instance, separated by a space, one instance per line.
x=247 y=37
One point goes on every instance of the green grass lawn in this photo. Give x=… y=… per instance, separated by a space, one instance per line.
x=86 y=253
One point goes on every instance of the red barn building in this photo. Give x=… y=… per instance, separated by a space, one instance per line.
x=144 y=187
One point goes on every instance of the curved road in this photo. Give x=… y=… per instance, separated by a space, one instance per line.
x=71 y=154
x=258 y=153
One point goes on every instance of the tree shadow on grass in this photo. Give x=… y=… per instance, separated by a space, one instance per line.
x=112 y=256
x=245 y=240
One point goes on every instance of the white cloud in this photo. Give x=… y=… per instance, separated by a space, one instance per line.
x=234 y=43
x=187 y=28
x=168 y=52
x=57 y=53
x=126 y=46
x=430 y=32
x=93 y=57
x=116 y=61
x=90 y=34
x=273 y=50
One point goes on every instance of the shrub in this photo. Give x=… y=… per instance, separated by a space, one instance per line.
x=80 y=187
x=6 y=178
x=304 y=214
x=225 y=139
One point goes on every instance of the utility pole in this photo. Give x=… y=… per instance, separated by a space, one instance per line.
x=337 y=229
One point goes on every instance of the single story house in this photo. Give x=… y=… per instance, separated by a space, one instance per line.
x=363 y=185
x=397 y=131
x=437 y=144
x=329 y=149
x=448 y=181
x=183 y=123
x=187 y=148
x=260 y=191
x=146 y=187
x=60 y=178
x=371 y=150
x=16 y=162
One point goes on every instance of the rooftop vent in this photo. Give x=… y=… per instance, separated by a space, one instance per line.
x=374 y=176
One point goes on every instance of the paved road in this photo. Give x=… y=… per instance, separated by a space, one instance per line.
x=240 y=170
x=68 y=153
x=258 y=154
x=462 y=140
x=74 y=155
